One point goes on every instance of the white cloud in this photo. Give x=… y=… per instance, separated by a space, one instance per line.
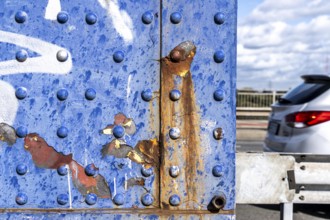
x=281 y=40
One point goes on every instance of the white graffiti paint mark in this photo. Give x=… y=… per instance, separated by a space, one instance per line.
x=8 y=103
x=45 y=63
x=128 y=89
x=120 y=19
x=52 y=9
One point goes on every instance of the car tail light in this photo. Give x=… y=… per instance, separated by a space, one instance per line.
x=306 y=119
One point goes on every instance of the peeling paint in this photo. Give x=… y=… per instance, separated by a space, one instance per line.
x=7 y=134
x=120 y=119
x=45 y=156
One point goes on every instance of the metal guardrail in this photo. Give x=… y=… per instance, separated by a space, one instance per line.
x=255 y=104
x=257 y=100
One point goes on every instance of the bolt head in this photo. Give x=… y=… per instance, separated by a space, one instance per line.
x=21 y=169
x=176 y=17
x=62 y=170
x=21 y=131
x=119 y=199
x=21 y=17
x=90 y=94
x=62 y=199
x=174 y=171
x=147 y=17
x=175 y=200
x=62 y=17
x=21 y=55
x=91 y=18
x=62 y=132
x=147 y=95
x=219 y=56
x=147 y=199
x=21 y=199
x=62 y=55
x=174 y=133
x=91 y=199
x=21 y=93
x=118 y=131
x=118 y=56
x=219 y=18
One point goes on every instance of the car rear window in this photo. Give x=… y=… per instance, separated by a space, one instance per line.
x=303 y=93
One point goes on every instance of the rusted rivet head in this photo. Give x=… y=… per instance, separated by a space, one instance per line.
x=21 y=16
x=175 y=95
x=218 y=133
x=62 y=55
x=21 y=199
x=175 y=56
x=175 y=200
x=21 y=169
x=218 y=202
x=175 y=133
x=147 y=199
x=21 y=55
x=174 y=171
x=147 y=172
x=62 y=199
x=91 y=199
x=302 y=197
x=119 y=199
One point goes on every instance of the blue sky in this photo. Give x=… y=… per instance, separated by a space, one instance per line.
x=280 y=40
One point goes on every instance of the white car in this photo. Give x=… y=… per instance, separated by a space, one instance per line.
x=300 y=120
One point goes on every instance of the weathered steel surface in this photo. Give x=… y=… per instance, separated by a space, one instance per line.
x=117 y=105
x=198 y=60
x=69 y=69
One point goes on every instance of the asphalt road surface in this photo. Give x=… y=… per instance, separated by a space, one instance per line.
x=272 y=212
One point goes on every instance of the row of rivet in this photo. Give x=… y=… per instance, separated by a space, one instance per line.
x=147 y=199
x=118 y=56
x=90 y=170
x=63 y=56
x=91 y=18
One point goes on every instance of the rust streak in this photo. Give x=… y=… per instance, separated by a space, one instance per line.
x=187 y=150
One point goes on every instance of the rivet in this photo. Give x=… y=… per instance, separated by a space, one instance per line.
x=21 y=131
x=62 y=17
x=218 y=202
x=219 y=95
x=62 y=132
x=62 y=170
x=175 y=56
x=175 y=200
x=21 y=55
x=91 y=198
x=217 y=171
x=91 y=170
x=118 y=131
x=62 y=55
x=91 y=18
x=21 y=169
x=176 y=17
x=62 y=199
x=146 y=172
x=219 y=56
x=119 y=199
x=62 y=94
x=174 y=133
x=302 y=197
x=21 y=93
x=147 y=17
x=147 y=199
x=90 y=94
x=218 y=133
x=118 y=56
x=20 y=17
x=175 y=95
x=147 y=95
x=174 y=171
x=21 y=199
x=219 y=18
